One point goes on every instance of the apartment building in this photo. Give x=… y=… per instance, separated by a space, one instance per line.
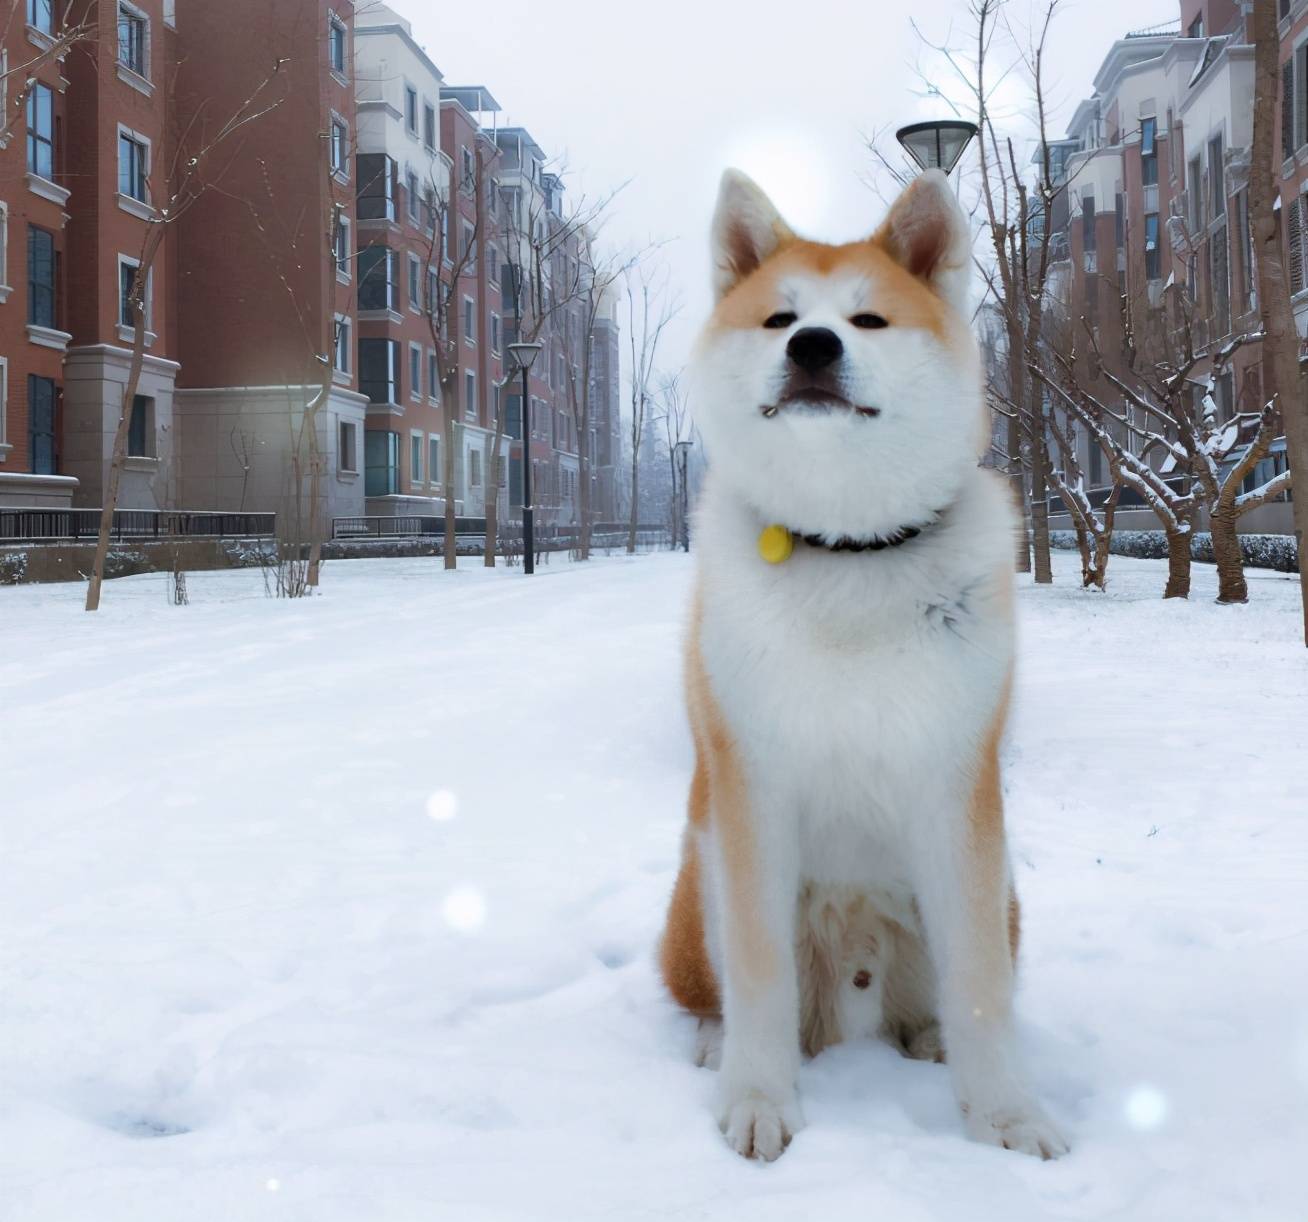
x=76 y=161
x=329 y=224
x=266 y=282
x=1154 y=207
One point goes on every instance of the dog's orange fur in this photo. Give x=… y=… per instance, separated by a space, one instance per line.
x=892 y=292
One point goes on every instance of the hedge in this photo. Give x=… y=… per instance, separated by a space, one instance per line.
x=1260 y=551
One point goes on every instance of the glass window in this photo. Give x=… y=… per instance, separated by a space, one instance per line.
x=379 y=370
x=41 y=299
x=382 y=456
x=415 y=371
x=377 y=187
x=429 y=126
x=138 y=438
x=40 y=15
x=40 y=131
x=1153 y=259
x=41 y=424
x=343 y=345
x=131 y=40
x=377 y=278
x=411 y=109
x=126 y=281
x=347 y=455
x=336 y=44
x=340 y=144
x=411 y=191
x=470 y=394
x=434 y=459
x=415 y=458
x=131 y=167
x=433 y=375
x=343 y=246
x=1148 y=152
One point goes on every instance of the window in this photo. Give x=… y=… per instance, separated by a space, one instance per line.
x=415 y=372
x=1287 y=109
x=1294 y=243
x=41 y=424
x=1194 y=173
x=1088 y=223
x=381 y=455
x=377 y=187
x=40 y=15
x=492 y=264
x=429 y=210
x=342 y=246
x=469 y=320
x=495 y=332
x=1196 y=27
x=474 y=468
x=429 y=125
x=468 y=249
x=379 y=370
x=41 y=297
x=433 y=460
x=340 y=147
x=433 y=377
x=336 y=43
x=433 y=287
x=411 y=109
x=133 y=166
x=377 y=287
x=470 y=394
x=1216 y=178
x=1219 y=273
x=1245 y=237
x=127 y=269
x=1294 y=101
x=415 y=458
x=1119 y=219
x=469 y=178
x=4 y=403
x=347 y=450
x=411 y=191
x=415 y=284
x=40 y=131
x=140 y=428
x=1153 y=260
x=132 y=27
x=343 y=344
x=1148 y=152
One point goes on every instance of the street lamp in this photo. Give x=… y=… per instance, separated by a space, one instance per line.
x=937 y=144
x=525 y=354
x=683 y=457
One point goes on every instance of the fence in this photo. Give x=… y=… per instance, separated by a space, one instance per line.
x=63 y=525
x=471 y=532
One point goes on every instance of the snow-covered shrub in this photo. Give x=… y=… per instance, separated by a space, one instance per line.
x=1259 y=551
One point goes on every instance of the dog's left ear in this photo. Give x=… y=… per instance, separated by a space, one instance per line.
x=746 y=230
x=928 y=234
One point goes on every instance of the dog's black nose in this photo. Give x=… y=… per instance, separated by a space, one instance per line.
x=814 y=348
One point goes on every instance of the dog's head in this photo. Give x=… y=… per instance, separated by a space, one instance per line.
x=838 y=388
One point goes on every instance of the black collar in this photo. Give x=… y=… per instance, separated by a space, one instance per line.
x=873 y=543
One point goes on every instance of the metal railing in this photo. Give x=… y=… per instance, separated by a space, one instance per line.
x=473 y=531
x=28 y=525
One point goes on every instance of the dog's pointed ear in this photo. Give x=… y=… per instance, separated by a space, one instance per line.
x=746 y=230
x=928 y=234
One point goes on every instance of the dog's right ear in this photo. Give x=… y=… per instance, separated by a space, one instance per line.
x=746 y=230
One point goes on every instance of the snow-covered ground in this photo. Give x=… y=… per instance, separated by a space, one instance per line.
x=344 y=910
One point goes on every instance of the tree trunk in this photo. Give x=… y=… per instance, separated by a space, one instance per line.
x=109 y=502
x=1282 y=375
x=450 y=548
x=492 y=507
x=1231 y=585
x=583 y=502
x=1044 y=571
x=1178 y=564
x=317 y=524
x=635 y=502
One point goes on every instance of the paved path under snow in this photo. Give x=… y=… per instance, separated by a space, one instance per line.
x=344 y=909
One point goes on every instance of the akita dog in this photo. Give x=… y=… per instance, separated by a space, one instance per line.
x=844 y=868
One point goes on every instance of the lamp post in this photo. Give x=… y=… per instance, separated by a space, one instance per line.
x=683 y=457
x=937 y=144
x=525 y=354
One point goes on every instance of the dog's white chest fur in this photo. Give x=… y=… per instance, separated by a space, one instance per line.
x=857 y=683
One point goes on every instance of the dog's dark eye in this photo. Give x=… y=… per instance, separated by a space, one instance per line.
x=869 y=322
x=778 y=321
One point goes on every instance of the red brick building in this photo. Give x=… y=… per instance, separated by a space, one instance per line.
x=1155 y=173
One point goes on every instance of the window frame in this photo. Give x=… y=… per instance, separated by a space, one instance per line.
x=134 y=264
x=344 y=262
x=32 y=286
x=336 y=26
x=417 y=450
x=37 y=139
x=338 y=146
x=469 y=394
x=433 y=459
x=33 y=379
x=140 y=20
x=142 y=143
x=410 y=109
x=342 y=344
x=415 y=372
x=34 y=10
x=469 y=321
x=342 y=428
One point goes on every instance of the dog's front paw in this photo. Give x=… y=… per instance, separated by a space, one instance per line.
x=1019 y=1126
x=757 y=1127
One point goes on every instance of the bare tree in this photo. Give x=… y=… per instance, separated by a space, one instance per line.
x=18 y=80
x=649 y=310
x=185 y=183
x=676 y=422
x=1284 y=377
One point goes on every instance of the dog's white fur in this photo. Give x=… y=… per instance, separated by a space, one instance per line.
x=857 y=691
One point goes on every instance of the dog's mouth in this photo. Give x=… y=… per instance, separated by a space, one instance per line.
x=816 y=401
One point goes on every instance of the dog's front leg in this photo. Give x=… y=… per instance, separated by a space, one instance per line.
x=758 y=873
x=963 y=892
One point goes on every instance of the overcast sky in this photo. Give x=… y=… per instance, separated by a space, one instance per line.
x=669 y=92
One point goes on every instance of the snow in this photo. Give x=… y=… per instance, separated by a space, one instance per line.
x=344 y=909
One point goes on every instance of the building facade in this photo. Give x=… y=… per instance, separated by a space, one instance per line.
x=342 y=209
x=1151 y=224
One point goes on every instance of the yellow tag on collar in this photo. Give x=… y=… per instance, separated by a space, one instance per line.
x=775 y=543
